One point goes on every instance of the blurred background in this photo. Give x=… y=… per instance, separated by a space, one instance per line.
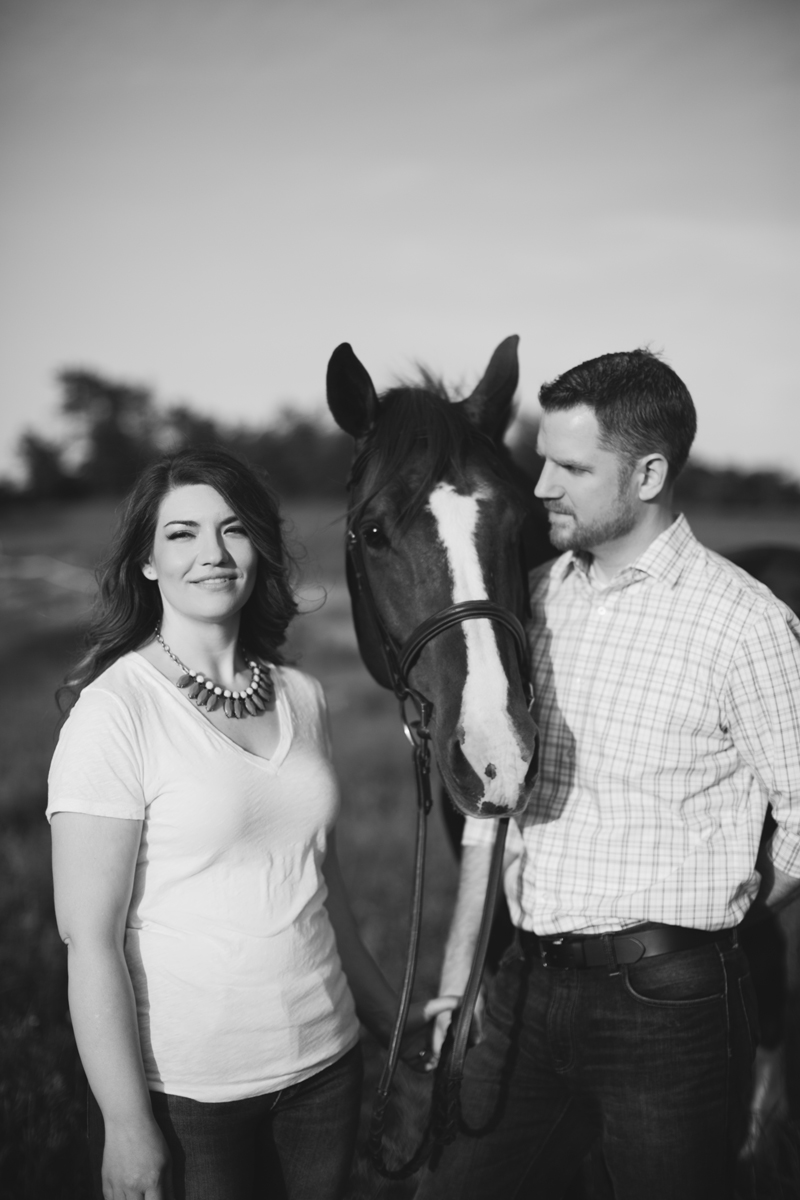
x=201 y=199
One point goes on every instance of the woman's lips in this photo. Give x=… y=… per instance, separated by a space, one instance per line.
x=215 y=582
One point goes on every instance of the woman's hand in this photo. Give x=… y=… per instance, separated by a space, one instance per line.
x=136 y=1162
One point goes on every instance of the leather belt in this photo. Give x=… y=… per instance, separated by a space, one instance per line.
x=617 y=949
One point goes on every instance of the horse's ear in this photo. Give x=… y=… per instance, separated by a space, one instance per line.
x=489 y=406
x=351 y=395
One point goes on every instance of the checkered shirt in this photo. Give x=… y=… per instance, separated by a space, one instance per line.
x=668 y=705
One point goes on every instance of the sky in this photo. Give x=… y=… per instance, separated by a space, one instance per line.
x=207 y=196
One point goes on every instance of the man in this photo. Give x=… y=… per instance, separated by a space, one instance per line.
x=667 y=688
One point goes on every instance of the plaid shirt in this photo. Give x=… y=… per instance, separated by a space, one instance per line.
x=668 y=705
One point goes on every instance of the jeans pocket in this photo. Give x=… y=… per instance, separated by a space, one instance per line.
x=513 y=953
x=678 y=980
x=747 y=996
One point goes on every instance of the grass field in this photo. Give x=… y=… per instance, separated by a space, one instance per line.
x=46 y=558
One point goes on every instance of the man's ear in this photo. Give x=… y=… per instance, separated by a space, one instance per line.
x=148 y=570
x=653 y=471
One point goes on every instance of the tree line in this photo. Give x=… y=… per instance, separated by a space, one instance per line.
x=116 y=428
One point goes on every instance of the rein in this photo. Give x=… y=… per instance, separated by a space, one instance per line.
x=398 y=662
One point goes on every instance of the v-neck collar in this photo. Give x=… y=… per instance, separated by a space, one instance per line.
x=285 y=724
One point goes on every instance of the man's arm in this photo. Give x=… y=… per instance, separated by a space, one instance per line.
x=465 y=925
x=463 y=935
x=762 y=706
x=782 y=889
x=777 y=888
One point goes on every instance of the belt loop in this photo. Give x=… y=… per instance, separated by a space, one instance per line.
x=611 y=955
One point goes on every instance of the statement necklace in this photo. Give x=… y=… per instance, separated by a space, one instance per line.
x=206 y=694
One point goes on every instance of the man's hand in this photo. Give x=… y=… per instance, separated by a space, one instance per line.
x=443 y=1023
x=416 y=1047
x=462 y=940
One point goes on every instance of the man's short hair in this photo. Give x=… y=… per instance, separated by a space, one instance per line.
x=641 y=405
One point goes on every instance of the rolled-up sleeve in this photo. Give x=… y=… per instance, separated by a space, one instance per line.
x=478 y=832
x=763 y=711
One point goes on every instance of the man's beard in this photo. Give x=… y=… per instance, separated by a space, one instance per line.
x=585 y=535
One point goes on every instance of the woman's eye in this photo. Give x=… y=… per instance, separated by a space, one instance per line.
x=239 y=530
x=179 y=533
x=374 y=536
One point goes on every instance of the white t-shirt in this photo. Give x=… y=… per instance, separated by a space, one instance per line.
x=238 y=983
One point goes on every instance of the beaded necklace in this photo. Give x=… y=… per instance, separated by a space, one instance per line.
x=206 y=694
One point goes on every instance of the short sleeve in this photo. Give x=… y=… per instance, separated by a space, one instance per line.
x=324 y=718
x=97 y=768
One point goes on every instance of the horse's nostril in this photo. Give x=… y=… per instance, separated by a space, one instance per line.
x=468 y=781
x=490 y=771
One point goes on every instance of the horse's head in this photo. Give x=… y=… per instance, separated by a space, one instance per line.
x=434 y=521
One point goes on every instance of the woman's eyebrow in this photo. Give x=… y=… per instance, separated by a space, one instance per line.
x=231 y=520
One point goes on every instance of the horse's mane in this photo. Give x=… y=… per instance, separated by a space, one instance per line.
x=419 y=424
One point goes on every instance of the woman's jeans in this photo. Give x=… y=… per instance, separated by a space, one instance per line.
x=653 y=1059
x=296 y=1144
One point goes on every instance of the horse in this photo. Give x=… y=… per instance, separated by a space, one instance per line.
x=435 y=522
x=436 y=553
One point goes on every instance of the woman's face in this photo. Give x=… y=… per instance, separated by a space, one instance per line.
x=202 y=558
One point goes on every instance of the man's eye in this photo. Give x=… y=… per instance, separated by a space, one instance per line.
x=374 y=536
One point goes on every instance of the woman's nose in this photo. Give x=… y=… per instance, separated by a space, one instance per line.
x=214 y=550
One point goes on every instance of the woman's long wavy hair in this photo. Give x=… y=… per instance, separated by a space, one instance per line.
x=128 y=607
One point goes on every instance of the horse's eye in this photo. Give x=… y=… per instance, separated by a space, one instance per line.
x=374 y=536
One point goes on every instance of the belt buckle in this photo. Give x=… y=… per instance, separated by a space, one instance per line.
x=546 y=947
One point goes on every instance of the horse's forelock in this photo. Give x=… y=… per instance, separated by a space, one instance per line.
x=421 y=438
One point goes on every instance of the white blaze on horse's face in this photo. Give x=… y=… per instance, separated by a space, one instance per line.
x=488 y=739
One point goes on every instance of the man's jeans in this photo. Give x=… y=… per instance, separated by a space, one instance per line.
x=653 y=1058
x=296 y=1144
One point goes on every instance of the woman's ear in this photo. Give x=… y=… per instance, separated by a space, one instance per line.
x=148 y=570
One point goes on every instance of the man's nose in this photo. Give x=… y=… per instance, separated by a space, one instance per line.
x=546 y=487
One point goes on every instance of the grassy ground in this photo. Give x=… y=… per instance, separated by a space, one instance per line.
x=42 y=606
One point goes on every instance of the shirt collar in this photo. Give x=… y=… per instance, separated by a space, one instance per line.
x=663 y=559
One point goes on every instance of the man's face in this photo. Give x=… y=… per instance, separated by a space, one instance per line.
x=587 y=489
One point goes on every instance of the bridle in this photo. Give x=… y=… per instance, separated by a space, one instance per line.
x=398 y=661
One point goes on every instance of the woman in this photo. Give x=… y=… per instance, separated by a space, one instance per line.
x=192 y=800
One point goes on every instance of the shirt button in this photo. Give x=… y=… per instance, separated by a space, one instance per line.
x=602 y=610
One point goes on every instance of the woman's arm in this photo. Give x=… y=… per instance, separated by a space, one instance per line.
x=376 y=1002
x=94 y=859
